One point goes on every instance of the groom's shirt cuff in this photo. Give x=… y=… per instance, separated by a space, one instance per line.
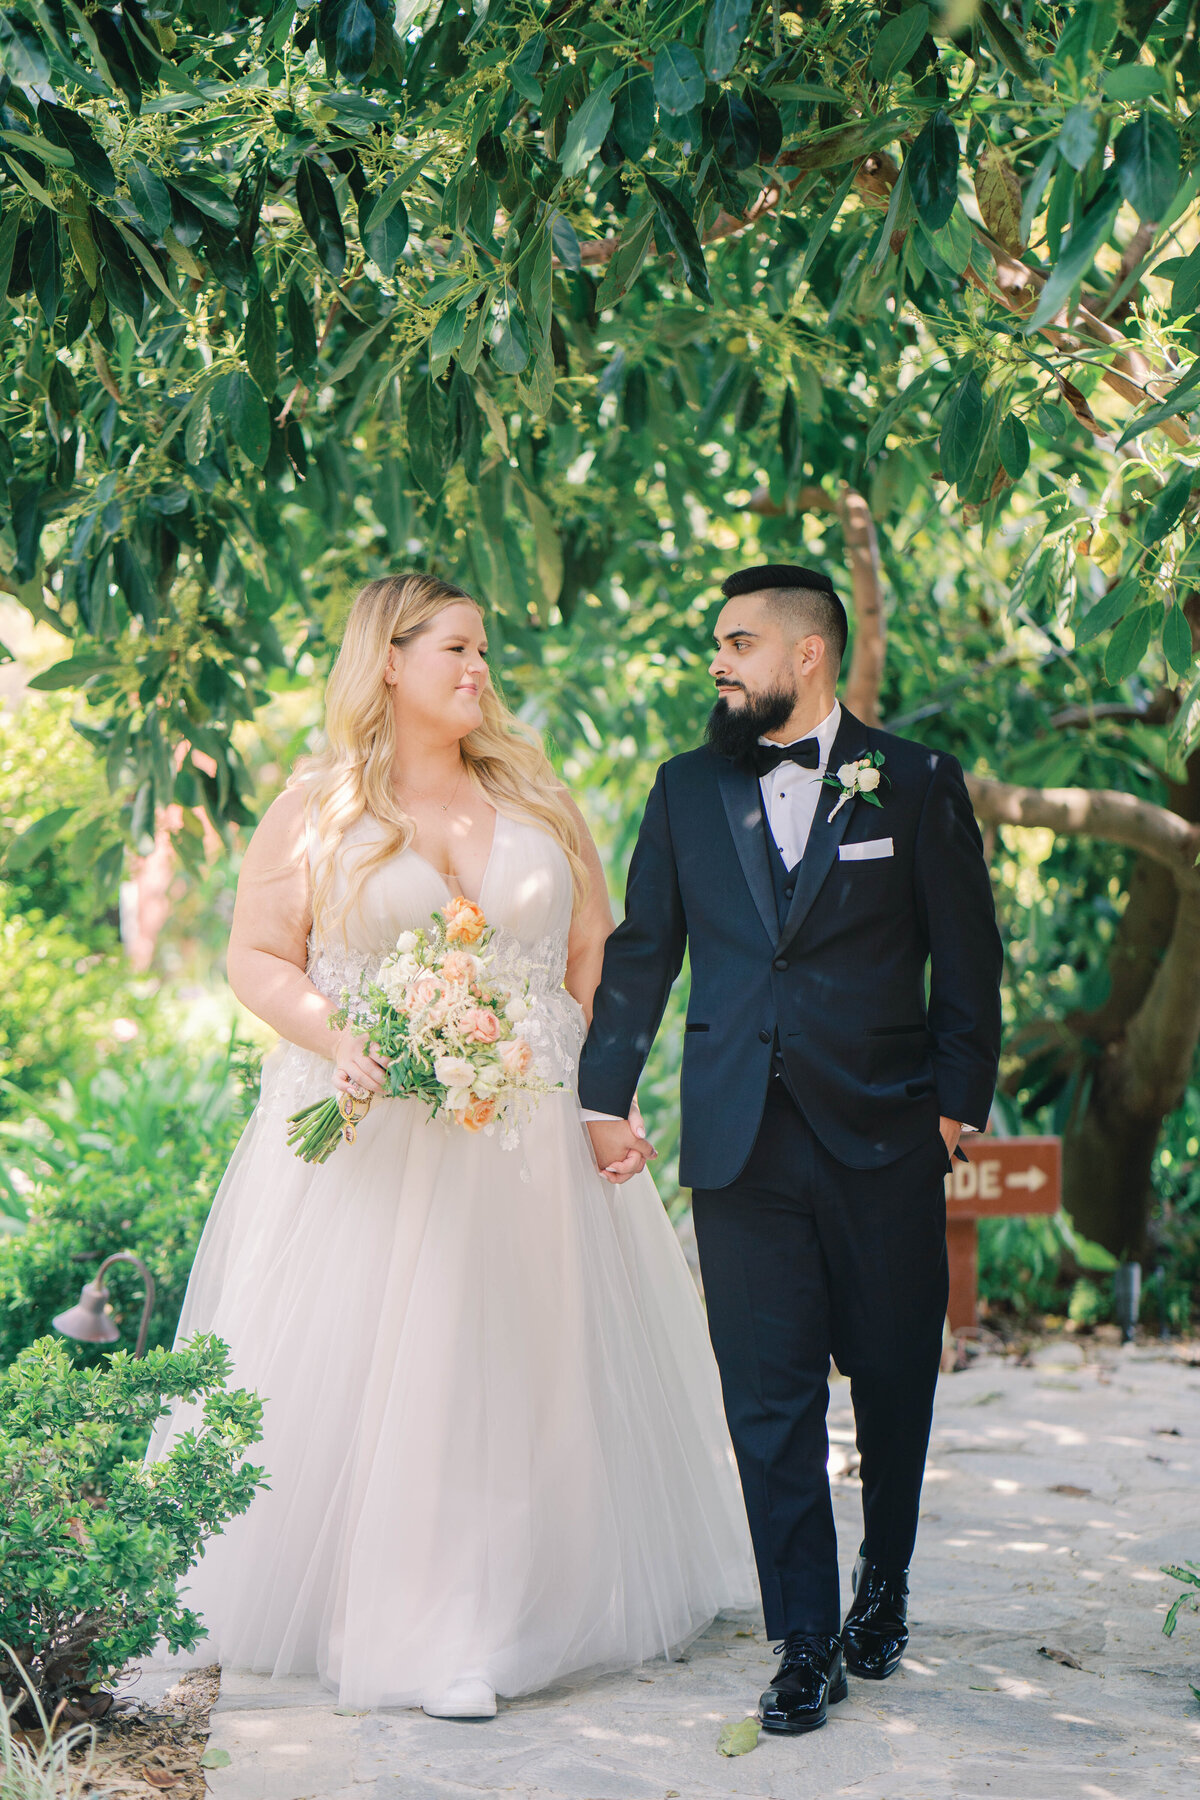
x=590 y=1117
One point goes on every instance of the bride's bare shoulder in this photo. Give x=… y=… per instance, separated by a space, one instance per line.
x=280 y=836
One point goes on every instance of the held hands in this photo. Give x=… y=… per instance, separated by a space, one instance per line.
x=357 y=1063
x=620 y=1146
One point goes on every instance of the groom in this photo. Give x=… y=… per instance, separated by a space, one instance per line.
x=828 y=880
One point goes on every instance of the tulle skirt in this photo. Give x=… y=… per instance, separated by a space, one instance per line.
x=492 y=1420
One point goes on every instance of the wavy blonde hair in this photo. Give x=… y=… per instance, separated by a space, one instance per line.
x=352 y=775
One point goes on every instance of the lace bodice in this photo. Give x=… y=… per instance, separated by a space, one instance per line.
x=526 y=895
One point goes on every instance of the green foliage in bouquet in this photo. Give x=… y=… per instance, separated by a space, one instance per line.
x=128 y=1160
x=93 y=1544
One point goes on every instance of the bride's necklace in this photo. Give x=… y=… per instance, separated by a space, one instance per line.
x=443 y=806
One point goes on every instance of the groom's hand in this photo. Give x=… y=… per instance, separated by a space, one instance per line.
x=620 y=1149
x=951 y=1130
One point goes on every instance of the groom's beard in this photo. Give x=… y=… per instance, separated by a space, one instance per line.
x=734 y=731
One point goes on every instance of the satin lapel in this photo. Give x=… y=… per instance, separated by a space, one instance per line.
x=821 y=850
x=743 y=808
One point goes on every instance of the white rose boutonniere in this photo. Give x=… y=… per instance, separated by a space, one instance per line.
x=860 y=778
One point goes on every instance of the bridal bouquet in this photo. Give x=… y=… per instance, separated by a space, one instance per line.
x=451 y=1036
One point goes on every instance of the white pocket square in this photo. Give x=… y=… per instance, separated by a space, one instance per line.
x=865 y=852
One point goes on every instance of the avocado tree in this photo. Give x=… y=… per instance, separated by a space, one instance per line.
x=576 y=301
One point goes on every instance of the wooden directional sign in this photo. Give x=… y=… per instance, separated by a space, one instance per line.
x=1002 y=1177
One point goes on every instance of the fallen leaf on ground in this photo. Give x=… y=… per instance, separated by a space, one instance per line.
x=1061 y=1656
x=986 y=1399
x=215 y=1759
x=749 y=1634
x=735 y=1740
x=1167 y=1431
x=160 y=1778
x=1074 y=1493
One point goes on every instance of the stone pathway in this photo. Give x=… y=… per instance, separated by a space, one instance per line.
x=1037 y=1671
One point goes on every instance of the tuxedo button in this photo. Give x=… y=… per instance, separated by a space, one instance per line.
x=781 y=962
x=764 y=1037
x=788 y=892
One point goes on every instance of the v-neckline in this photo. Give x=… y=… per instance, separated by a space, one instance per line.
x=487 y=867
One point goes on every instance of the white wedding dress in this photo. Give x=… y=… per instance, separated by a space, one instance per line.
x=492 y=1420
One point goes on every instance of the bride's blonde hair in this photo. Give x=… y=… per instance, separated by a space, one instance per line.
x=352 y=775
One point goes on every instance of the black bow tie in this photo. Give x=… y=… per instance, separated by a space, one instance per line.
x=769 y=756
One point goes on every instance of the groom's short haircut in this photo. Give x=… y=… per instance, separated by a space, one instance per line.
x=802 y=598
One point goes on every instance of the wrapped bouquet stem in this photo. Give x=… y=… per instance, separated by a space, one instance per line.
x=449 y=1035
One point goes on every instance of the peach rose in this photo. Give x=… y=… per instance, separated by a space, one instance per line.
x=478 y=1114
x=426 y=990
x=480 y=1026
x=465 y=924
x=458 y=966
x=516 y=1057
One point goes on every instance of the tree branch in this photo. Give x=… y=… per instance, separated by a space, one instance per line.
x=1095 y=812
x=870 y=629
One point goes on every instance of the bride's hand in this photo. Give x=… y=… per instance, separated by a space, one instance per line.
x=357 y=1063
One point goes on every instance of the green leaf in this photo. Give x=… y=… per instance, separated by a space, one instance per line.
x=682 y=235
x=1166 y=409
x=1168 y=507
x=897 y=42
x=45 y=264
x=510 y=340
x=355 y=38
x=215 y=1758
x=1132 y=81
x=1107 y=610
x=319 y=211
x=821 y=229
x=150 y=195
x=589 y=126
x=1014 y=446
x=625 y=261
x=22 y=56
x=262 y=340
x=932 y=166
x=1079 y=135
x=36 y=837
x=962 y=428
x=73 y=672
x=1130 y=642
x=737 y=1740
x=1177 y=642
x=724 y=35
x=1077 y=255
x=734 y=132
x=1146 y=153
x=248 y=417
x=301 y=330
x=525 y=65
x=384 y=231
x=678 y=79
x=426 y=437
x=633 y=115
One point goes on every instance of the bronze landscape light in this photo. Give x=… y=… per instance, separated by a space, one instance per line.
x=90 y=1322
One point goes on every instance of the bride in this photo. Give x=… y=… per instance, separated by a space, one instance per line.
x=492 y=1422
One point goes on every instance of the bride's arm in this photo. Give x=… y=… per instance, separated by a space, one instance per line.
x=268 y=941
x=591 y=926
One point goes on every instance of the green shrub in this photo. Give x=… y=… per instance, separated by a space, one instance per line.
x=129 y=1160
x=1035 y=1265
x=92 y=1543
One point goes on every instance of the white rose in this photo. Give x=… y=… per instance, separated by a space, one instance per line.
x=848 y=774
x=517 y=1009
x=868 y=780
x=406 y=943
x=487 y=1079
x=454 y=1071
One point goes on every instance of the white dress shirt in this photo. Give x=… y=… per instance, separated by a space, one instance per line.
x=791 y=793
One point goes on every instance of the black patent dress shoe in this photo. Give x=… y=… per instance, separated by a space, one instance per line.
x=810 y=1679
x=875 y=1634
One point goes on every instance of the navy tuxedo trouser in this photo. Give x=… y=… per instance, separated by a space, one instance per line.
x=802 y=1259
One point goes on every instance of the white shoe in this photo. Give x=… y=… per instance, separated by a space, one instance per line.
x=469 y=1697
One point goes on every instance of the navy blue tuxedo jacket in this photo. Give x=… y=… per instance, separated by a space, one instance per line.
x=881 y=987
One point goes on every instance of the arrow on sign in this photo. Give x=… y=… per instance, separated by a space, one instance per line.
x=1033 y=1179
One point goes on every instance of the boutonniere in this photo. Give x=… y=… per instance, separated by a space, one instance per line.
x=858 y=778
